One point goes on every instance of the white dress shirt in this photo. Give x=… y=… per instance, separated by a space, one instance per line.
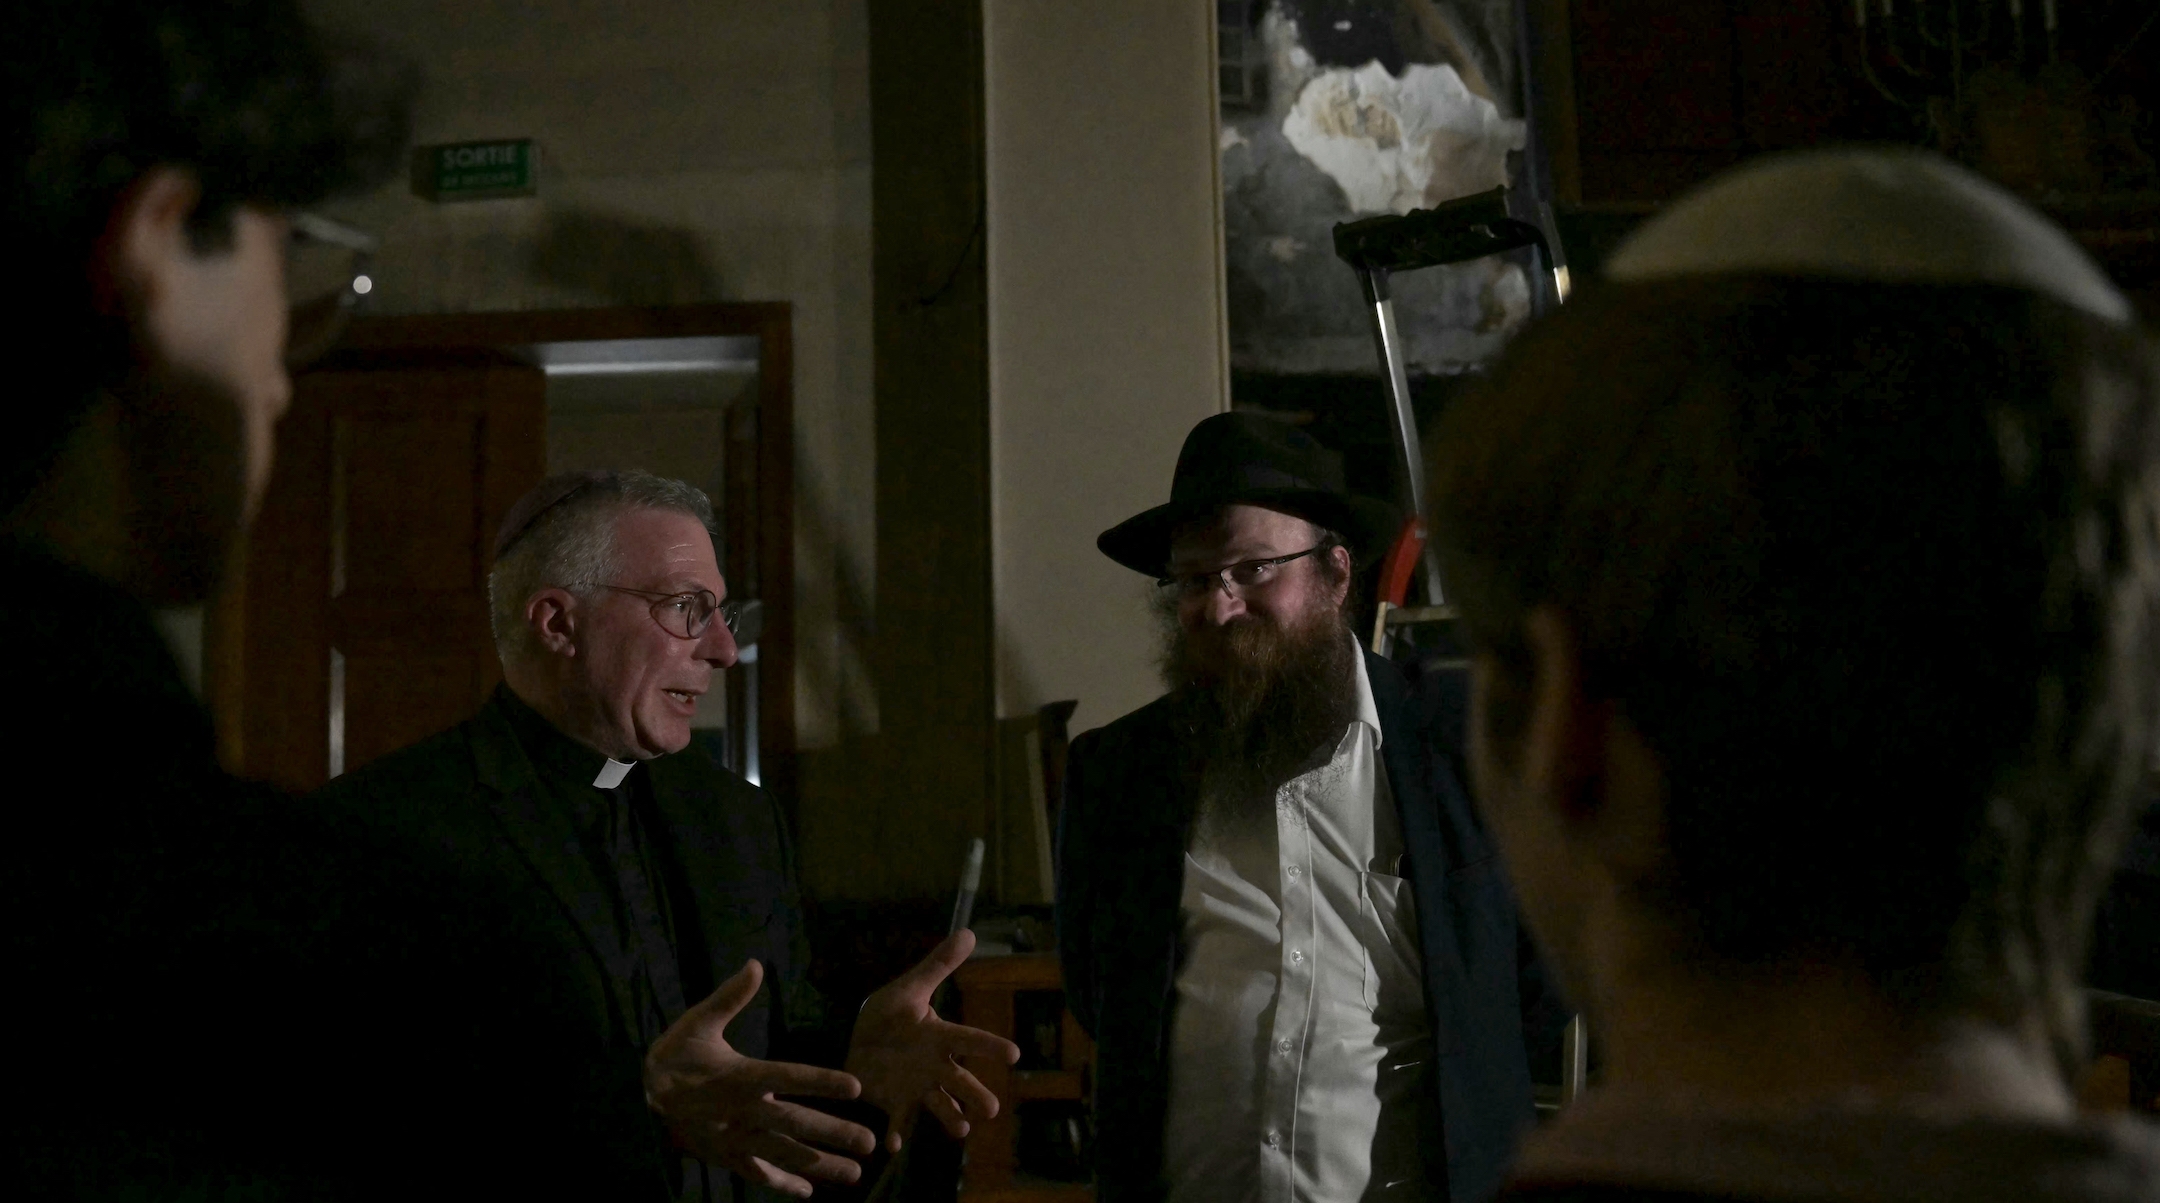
x=1300 y=1049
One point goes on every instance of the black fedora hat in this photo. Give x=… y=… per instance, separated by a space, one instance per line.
x=1242 y=458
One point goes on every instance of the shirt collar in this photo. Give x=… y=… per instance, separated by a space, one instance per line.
x=1367 y=712
x=554 y=753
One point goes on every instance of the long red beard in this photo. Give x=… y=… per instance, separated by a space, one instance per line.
x=1259 y=700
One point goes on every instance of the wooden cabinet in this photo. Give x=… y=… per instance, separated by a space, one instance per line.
x=1013 y=997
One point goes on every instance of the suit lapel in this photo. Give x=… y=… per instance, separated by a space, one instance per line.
x=546 y=840
x=1164 y=790
x=696 y=841
x=1416 y=777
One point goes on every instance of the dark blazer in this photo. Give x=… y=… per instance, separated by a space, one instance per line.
x=217 y=991
x=472 y=795
x=2125 y=954
x=1123 y=829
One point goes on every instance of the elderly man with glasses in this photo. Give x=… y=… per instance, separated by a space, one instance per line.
x=1278 y=914
x=664 y=878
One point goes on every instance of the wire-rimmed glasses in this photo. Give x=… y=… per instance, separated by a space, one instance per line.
x=1236 y=579
x=687 y=615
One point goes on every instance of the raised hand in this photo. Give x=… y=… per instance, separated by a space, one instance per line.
x=720 y=1105
x=907 y=1057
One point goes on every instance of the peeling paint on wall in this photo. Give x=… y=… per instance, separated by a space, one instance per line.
x=1400 y=144
x=1342 y=140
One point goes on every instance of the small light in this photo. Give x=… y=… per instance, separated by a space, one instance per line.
x=363 y=285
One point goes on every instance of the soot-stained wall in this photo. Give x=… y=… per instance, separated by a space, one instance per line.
x=1364 y=107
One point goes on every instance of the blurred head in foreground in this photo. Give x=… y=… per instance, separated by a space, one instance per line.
x=160 y=153
x=1811 y=564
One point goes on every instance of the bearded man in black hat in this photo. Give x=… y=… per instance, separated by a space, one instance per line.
x=1278 y=914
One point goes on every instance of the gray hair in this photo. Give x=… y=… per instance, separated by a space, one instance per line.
x=572 y=546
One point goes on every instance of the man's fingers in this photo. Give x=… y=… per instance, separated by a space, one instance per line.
x=697 y=1040
x=968 y=1091
x=772 y=1159
x=795 y=1157
x=787 y=1077
x=726 y=1150
x=766 y=1174
x=959 y=1040
x=812 y=1126
x=948 y=1113
x=949 y=955
x=722 y=1006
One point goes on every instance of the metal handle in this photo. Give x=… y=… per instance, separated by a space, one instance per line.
x=1471 y=227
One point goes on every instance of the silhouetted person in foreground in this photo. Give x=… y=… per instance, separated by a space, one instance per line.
x=1811 y=565
x=214 y=991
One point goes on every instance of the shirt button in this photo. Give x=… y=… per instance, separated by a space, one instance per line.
x=1295 y=872
x=1297 y=956
x=1274 y=1139
x=1283 y=1045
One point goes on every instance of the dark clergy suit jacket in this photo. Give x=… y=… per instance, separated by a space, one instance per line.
x=472 y=795
x=1129 y=801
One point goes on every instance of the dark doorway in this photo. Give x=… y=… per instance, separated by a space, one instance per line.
x=355 y=622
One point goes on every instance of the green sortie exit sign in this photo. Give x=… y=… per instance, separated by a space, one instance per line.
x=474 y=170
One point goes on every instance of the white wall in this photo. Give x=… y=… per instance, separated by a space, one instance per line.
x=691 y=150
x=1107 y=336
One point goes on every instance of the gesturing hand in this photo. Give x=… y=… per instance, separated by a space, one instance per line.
x=720 y=1104
x=906 y=1056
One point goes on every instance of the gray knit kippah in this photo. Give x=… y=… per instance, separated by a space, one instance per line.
x=1893 y=215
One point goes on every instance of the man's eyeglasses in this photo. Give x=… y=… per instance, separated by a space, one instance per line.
x=327 y=272
x=688 y=615
x=1237 y=580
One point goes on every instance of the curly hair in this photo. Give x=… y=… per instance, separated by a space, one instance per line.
x=245 y=95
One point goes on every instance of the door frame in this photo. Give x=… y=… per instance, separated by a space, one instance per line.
x=758 y=532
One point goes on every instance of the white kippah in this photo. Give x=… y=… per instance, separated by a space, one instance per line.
x=1898 y=216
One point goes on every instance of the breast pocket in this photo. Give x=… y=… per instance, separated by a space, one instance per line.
x=1394 y=986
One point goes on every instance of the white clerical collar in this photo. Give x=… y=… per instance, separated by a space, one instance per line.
x=1367 y=712
x=613 y=771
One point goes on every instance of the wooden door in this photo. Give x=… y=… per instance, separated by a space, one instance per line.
x=356 y=622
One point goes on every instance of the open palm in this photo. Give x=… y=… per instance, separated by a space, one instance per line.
x=906 y=1056
x=722 y=1106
